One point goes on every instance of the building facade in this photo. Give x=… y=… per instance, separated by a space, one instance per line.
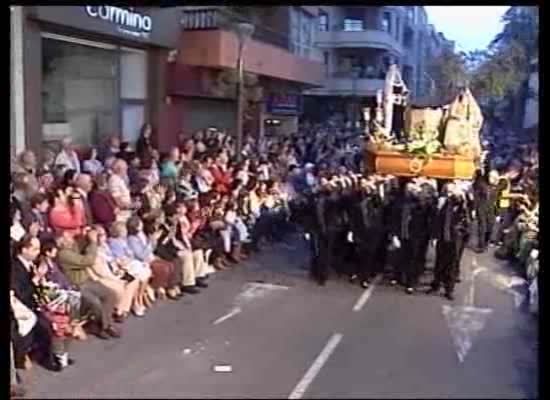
x=358 y=44
x=88 y=72
x=280 y=63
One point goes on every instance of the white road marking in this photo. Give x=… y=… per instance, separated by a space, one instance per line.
x=315 y=368
x=366 y=294
x=230 y=314
x=465 y=323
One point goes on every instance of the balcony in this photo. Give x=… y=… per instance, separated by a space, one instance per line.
x=366 y=38
x=214 y=18
x=218 y=49
x=345 y=85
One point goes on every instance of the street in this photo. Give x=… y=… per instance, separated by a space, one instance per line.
x=285 y=336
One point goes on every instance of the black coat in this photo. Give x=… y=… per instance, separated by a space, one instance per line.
x=22 y=284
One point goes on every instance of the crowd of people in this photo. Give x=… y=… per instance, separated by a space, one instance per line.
x=102 y=235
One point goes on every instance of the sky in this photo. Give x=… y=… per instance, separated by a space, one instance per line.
x=471 y=27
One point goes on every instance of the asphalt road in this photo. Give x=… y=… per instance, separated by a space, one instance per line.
x=285 y=336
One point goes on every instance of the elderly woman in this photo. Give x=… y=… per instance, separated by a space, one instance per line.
x=118 y=243
x=143 y=246
x=110 y=271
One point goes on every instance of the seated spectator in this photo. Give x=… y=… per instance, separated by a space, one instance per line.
x=92 y=165
x=57 y=305
x=191 y=260
x=83 y=186
x=37 y=218
x=170 y=167
x=97 y=299
x=164 y=277
x=110 y=271
x=67 y=212
x=141 y=271
x=27 y=164
x=102 y=205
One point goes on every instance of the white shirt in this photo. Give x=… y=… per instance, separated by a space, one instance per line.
x=119 y=189
x=68 y=161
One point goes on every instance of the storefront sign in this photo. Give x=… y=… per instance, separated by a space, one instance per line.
x=127 y=21
x=284 y=104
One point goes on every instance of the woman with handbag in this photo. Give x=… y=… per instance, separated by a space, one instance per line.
x=110 y=272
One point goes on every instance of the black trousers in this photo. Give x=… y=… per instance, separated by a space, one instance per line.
x=447 y=264
x=415 y=261
x=368 y=263
x=325 y=254
x=485 y=222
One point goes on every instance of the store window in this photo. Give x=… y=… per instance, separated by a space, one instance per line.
x=133 y=92
x=79 y=91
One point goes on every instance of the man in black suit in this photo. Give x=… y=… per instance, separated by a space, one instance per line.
x=41 y=335
x=84 y=185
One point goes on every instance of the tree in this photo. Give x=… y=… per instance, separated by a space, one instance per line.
x=502 y=71
x=448 y=71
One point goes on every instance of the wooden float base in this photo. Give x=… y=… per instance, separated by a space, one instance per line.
x=404 y=164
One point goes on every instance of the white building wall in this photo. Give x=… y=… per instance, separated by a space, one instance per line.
x=17 y=117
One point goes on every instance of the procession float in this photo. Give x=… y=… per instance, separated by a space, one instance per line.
x=440 y=142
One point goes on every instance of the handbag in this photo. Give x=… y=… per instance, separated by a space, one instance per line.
x=26 y=318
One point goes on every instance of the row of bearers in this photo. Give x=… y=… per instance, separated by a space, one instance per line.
x=357 y=225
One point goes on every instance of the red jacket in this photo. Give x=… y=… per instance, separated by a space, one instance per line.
x=222 y=179
x=66 y=219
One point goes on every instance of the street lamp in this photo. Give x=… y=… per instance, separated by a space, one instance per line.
x=355 y=72
x=244 y=31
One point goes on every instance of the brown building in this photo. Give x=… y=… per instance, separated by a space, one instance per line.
x=280 y=62
x=90 y=71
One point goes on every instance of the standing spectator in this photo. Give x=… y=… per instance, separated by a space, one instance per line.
x=67 y=158
x=120 y=191
x=111 y=148
x=144 y=145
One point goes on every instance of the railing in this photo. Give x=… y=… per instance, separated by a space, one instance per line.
x=216 y=18
x=362 y=73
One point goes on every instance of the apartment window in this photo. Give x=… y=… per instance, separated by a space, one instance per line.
x=353 y=25
x=386 y=22
x=323 y=22
x=302 y=27
x=326 y=60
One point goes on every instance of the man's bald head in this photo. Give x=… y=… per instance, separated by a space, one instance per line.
x=84 y=182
